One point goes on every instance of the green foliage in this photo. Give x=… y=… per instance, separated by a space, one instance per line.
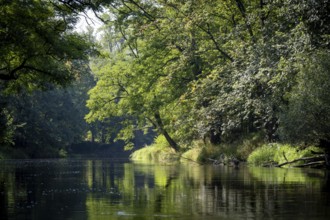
x=195 y=154
x=307 y=116
x=215 y=70
x=206 y=153
x=279 y=153
x=159 y=152
x=7 y=127
x=287 y=153
x=38 y=44
x=240 y=149
x=263 y=155
x=40 y=50
x=192 y=70
x=160 y=142
x=42 y=122
x=248 y=144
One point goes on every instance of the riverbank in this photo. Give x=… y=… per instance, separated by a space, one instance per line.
x=252 y=152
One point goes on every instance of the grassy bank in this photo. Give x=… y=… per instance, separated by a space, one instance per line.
x=275 y=154
x=251 y=149
x=199 y=152
x=158 y=152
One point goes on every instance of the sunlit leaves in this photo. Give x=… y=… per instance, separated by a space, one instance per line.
x=207 y=67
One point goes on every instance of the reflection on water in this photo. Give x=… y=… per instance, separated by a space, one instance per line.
x=104 y=189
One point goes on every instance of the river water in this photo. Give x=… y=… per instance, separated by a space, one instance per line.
x=110 y=189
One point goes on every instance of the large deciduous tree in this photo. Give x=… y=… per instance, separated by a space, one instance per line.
x=40 y=49
x=38 y=43
x=216 y=69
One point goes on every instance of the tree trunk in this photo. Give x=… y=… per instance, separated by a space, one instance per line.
x=161 y=129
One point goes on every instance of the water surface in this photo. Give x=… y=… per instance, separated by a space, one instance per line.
x=108 y=189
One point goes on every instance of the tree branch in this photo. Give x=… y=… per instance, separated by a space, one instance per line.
x=242 y=9
x=310 y=159
x=149 y=16
x=11 y=75
x=223 y=53
x=129 y=45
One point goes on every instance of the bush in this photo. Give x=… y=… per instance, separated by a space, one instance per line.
x=287 y=153
x=263 y=155
x=159 y=152
x=248 y=144
x=196 y=154
x=278 y=154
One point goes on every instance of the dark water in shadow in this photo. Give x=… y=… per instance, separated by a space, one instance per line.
x=105 y=189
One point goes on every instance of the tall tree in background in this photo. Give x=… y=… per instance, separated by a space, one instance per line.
x=40 y=50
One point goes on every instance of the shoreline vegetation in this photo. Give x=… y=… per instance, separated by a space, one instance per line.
x=252 y=152
x=268 y=155
x=219 y=82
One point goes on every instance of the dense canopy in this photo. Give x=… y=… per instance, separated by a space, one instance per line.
x=215 y=69
x=207 y=70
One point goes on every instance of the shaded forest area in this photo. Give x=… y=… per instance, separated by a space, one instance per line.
x=216 y=71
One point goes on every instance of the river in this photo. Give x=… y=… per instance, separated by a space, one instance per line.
x=114 y=189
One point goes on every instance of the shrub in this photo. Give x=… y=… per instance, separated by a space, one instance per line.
x=193 y=154
x=287 y=153
x=263 y=155
x=205 y=153
x=159 y=152
x=278 y=154
x=248 y=144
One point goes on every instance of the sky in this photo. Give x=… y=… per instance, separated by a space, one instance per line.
x=91 y=20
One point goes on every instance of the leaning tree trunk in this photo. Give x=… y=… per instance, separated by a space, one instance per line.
x=160 y=127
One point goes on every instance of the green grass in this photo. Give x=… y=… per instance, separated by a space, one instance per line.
x=193 y=155
x=270 y=154
x=198 y=151
x=241 y=148
x=262 y=155
x=251 y=149
x=159 y=152
x=206 y=153
x=287 y=153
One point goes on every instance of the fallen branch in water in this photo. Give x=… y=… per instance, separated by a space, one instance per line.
x=308 y=161
x=312 y=164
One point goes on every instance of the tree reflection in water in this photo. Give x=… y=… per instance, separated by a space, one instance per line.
x=103 y=189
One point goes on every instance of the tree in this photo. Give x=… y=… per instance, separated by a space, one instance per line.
x=133 y=90
x=306 y=117
x=43 y=122
x=215 y=69
x=38 y=43
x=247 y=95
x=40 y=50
